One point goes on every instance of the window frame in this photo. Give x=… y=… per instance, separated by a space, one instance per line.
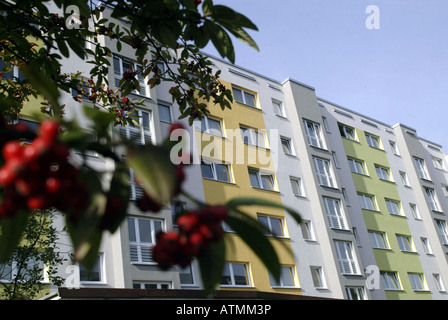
x=298 y=183
x=317 y=275
x=442 y=230
x=254 y=136
x=314 y=135
x=405 y=243
x=327 y=175
x=145 y=134
x=279 y=108
x=143 y=244
x=232 y=275
x=355 y=165
x=359 y=291
x=432 y=199
x=269 y=226
x=213 y=167
x=388 y=278
x=259 y=175
x=372 y=201
x=421 y=168
x=335 y=213
x=383 y=173
x=289 y=146
x=159 y=105
x=344 y=134
x=101 y=271
x=372 y=138
x=378 y=240
x=244 y=98
x=208 y=129
x=348 y=262
x=418 y=281
x=285 y=270
x=392 y=205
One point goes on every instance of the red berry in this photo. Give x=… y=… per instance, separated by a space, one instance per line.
x=49 y=129
x=38 y=202
x=12 y=149
x=187 y=223
x=53 y=185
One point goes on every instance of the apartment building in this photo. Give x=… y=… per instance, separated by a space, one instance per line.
x=373 y=197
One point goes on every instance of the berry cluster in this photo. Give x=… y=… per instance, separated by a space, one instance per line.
x=197 y=229
x=38 y=176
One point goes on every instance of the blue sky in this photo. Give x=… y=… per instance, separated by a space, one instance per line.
x=398 y=73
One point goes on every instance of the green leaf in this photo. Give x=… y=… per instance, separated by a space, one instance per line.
x=241 y=35
x=211 y=265
x=63 y=48
x=154 y=170
x=252 y=233
x=247 y=201
x=11 y=230
x=221 y=12
x=221 y=40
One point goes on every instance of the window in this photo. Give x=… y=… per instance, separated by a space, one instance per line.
x=93 y=275
x=279 y=109
x=445 y=189
x=394 y=148
x=235 y=274
x=394 y=207
x=439 y=283
x=373 y=141
x=261 y=180
x=209 y=125
x=390 y=280
x=286 y=278
x=313 y=134
x=346 y=258
x=151 y=285
x=139 y=134
x=318 y=277
x=344 y=194
x=142 y=237
x=186 y=276
x=297 y=187
x=421 y=168
x=378 y=240
x=404 y=178
x=415 y=212
x=443 y=233
x=122 y=65
x=426 y=246
x=244 y=97
x=367 y=202
x=438 y=163
x=432 y=199
x=215 y=171
x=307 y=231
x=274 y=225
x=253 y=137
x=418 y=282
x=347 y=132
x=287 y=147
x=405 y=243
x=334 y=213
x=355 y=293
x=14 y=271
x=323 y=171
x=356 y=166
x=164 y=113
x=382 y=173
